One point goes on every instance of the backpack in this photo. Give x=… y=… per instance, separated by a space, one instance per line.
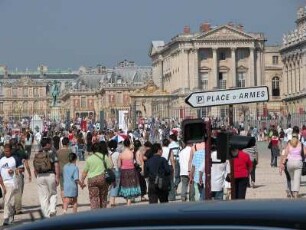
x=42 y=163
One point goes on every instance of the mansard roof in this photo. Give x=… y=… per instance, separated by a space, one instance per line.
x=38 y=76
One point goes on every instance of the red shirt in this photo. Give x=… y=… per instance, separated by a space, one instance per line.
x=242 y=165
x=274 y=141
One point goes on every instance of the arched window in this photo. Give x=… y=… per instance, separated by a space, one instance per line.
x=275 y=87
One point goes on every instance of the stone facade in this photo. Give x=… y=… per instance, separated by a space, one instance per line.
x=25 y=93
x=215 y=58
x=23 y=98
x=293 y=54
x=101 y=93
x=98 y=93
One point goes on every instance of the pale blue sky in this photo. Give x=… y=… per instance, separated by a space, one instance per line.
x=71 y=33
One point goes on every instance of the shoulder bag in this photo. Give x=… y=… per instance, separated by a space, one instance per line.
x=109 y=174
x=136 y=165
x=162 y=181
x=270 y=145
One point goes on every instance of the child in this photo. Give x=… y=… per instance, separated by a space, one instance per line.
x=71 y=181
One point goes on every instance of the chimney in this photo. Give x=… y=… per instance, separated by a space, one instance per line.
x=240 y=27
x=231 y=24
x=205 y=27
x=187 y=30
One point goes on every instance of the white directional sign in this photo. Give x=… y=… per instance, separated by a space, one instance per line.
x=228 y=97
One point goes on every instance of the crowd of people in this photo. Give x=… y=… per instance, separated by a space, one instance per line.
x=289 y=146
x=152 y=171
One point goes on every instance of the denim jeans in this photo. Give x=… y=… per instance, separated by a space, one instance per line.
x=175 y=180
x=217 y=195
x=199 y=191
x=185 y=185
x=252 y=174
x=177 y=177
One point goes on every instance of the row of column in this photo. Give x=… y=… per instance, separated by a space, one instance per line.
x=255 y=66
x=293 y=81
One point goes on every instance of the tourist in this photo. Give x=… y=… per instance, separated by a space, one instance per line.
x=185 y=154
x=71 y=182
x=8 y=169
x=253 y=153
x=219 y=172
x=48 y=177
x=63 y=158
x=114 y=155
x=242 y=169
x=293 y=154
x=129 y=181
x=94 y=170
x=275 y=148
x=158 y=166
x=176 y=179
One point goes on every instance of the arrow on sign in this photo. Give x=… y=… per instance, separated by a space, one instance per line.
x=228 y=97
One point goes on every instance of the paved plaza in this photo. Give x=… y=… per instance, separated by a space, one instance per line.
x=269 y=185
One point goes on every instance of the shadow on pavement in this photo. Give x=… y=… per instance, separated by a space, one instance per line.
x=259 y=186
x=302 y=195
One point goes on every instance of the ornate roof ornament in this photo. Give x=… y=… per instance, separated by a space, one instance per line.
x=149 y=90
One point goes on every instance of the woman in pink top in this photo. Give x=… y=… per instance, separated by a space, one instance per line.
x=129 y=182
x=293 y=159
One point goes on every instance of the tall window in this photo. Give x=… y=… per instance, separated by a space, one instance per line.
x=25 y=107
x=35 y=92
x=203 y=54
x=14 y=94
x=275 y=60
x=25 y=92
x=1 y=107
x=204 y=112
x=222 y=80
x=223 y=112
x=83 y=102
x=222 y=55
x=241 y=54
x=204 y=80
x=275 y=87
x=241 y=80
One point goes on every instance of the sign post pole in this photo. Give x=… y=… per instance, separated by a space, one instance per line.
x=224 y=97
x=208 y=162
x=233 y=186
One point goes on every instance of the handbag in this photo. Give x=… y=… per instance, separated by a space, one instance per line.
x=162 y=182
x=136 y=165
x=270 y=145
x=303 y=161
x=109 y=174
x=304 y=169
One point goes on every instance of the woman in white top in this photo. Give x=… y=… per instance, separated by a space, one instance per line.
x=293 y=158
x=166 y=152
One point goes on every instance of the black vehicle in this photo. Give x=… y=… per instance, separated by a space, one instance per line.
x=239 y=214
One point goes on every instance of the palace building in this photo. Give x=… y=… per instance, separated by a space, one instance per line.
x=98 y=93
x=216 y=58
x=25 y=93
x=293 y=54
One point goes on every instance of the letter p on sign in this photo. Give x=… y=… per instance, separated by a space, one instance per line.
x=200 y=99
